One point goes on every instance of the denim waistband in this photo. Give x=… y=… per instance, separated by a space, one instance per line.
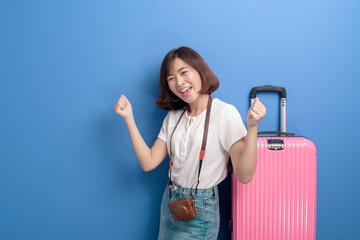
x=208 y=192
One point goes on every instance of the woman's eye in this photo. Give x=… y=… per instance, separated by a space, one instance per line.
x=183 y=73
x=169 y=79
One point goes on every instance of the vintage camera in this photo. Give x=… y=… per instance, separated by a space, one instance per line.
x=183 y=210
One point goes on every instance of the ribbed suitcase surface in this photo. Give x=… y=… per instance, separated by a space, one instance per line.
x=280 y=201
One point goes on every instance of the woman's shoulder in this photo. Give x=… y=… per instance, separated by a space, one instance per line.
x=222 y=107
x=226 y=114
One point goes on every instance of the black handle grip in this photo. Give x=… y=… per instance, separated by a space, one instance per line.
x=268 y=88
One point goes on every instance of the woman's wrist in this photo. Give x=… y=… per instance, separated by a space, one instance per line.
x=129 y=120
x=252 y=130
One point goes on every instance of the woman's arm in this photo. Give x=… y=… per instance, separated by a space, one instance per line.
x=243 y=153
x=148 y=158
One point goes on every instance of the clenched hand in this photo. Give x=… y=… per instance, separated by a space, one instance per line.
x=123 y=107
x=256 y=112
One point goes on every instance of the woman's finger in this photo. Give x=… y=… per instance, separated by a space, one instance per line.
x=253 y=115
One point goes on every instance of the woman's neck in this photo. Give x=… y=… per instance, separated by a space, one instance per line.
x=199 y=105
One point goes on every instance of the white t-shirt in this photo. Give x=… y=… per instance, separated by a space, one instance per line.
x=226 y=127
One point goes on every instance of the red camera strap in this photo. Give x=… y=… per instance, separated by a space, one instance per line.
x=203 y=146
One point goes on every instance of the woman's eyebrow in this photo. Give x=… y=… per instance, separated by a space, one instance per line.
x=177 y=71
x=181 y=69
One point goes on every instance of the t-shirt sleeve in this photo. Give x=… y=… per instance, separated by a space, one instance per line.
x=231 y=127
x=164 y=129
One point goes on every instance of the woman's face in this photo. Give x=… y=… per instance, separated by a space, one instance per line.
x=184 y=81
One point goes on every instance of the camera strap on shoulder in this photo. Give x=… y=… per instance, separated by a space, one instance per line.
x=203 y=146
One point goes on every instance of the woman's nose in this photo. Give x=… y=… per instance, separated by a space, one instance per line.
x=179 y=81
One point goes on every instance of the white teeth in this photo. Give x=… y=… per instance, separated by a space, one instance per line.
x=184 y=90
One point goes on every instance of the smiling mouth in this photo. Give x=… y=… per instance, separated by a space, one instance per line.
x=185 y=91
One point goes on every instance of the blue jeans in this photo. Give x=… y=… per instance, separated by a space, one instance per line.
x=204 y=226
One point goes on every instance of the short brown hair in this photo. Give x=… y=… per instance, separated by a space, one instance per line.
x=209 y=81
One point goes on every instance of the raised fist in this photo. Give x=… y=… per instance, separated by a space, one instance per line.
x=123 y=107
x=256 y=112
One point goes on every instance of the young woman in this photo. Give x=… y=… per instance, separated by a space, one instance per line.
x=186 y=83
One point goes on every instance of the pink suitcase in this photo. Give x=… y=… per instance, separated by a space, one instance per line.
x=280 y=201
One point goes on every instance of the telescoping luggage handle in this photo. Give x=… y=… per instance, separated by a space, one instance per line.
x=282 y=91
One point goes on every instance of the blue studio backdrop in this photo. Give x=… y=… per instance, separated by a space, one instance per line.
x=67 y=168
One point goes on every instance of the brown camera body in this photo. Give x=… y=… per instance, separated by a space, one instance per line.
x=183 y=210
